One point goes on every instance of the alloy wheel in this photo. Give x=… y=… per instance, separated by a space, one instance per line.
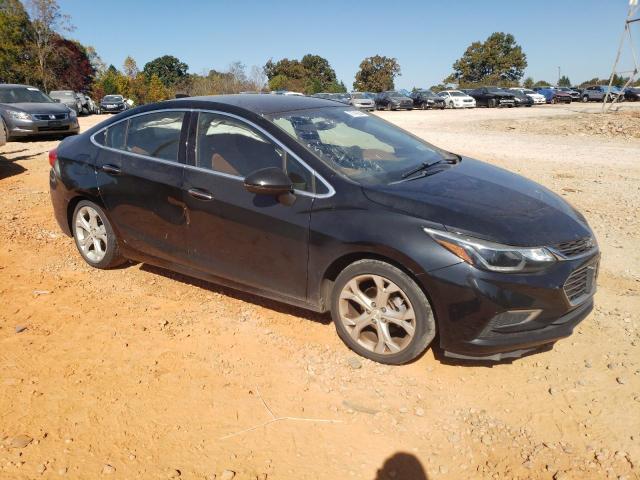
x=377 y=314
x=91 y=234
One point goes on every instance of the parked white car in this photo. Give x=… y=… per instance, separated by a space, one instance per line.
x=535 y=96
x=457 y=99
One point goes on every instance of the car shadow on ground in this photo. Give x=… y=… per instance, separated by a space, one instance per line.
x=8 y=168
x=401 y=466
x=279 y=307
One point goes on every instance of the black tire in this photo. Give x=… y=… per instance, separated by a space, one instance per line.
x=554 y=101
x=112 y=257
x=4 y=133
x=388 y=107
x=424 y=106
x=425 y=325
x=491 y=103
x=585 y=99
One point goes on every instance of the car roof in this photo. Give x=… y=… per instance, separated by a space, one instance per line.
x=260 y=104
x=14 y=85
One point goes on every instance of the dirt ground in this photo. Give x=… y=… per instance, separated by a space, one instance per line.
x=140 y=373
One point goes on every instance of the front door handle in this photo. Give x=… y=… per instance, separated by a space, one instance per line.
x=111 y=169
x=200 y=194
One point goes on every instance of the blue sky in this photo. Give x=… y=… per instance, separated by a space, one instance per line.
x=426 y=37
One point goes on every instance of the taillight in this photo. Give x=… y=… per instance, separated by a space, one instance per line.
x=53 y=156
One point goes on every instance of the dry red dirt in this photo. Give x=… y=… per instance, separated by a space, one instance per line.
x=140 y=373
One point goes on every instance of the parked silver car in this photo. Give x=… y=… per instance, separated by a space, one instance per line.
x=68 y=98
x=25 y=111
x=363 y=101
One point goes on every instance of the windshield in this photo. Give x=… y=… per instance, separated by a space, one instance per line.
x=61 y=94
x=457 y=94
x=23 y=95
x=112 y=98
x=528 y=92
x=395 y=94
x=496 y=90
x=361 y=96
x=363 y=147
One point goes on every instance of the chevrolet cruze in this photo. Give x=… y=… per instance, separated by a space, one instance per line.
x=326 y=207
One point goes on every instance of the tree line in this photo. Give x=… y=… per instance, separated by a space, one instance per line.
x=35 y=51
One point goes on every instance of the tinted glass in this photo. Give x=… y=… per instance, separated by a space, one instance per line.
x=362 y=147
x=112 y=98
x=155 y=135
x=231 y=146
x=114 y=136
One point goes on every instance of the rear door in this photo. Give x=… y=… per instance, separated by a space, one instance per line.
x=140 y=170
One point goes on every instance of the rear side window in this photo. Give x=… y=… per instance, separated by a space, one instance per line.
x=155 y=135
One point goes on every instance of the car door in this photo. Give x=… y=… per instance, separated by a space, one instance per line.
x=256 y=240
x=140 y=173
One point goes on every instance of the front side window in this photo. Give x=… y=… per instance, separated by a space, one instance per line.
x=155 y=135
x=227 y=145
x=363 y=147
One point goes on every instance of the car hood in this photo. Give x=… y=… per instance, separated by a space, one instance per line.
x=30 y=107
x=486 y=202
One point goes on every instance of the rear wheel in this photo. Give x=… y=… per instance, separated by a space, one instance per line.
x=94 y=236
x=381 y=313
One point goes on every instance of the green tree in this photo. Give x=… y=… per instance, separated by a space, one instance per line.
x=542 y=83
x=16 y=61
x=528 y=82
x=564 y=81
x=167 y=68
x=310 y=75
x=376 y=74
x=496 y=60
x=156 y=91
x=46 y=21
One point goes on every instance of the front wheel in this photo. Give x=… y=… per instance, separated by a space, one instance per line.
x=94 y=236
x=491 y=103
x=381 y=313
x=423 y=106
x=585 y=99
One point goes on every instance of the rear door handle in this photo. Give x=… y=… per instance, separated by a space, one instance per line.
x=200 y=194
x=111 y=169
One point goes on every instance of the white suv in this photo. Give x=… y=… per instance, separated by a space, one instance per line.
x=457 y=99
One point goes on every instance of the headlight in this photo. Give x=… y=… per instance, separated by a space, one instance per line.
x=72 y=113
x=16 y=115
x=493 y=256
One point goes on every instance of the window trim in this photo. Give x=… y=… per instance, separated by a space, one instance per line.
x=187 y=124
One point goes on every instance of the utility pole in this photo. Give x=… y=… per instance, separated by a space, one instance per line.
x=558 y=84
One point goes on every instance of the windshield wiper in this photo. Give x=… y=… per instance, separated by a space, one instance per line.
x=426 y=165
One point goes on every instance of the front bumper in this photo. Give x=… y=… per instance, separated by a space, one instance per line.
x=481 y=314
x=113 y=108
x=33 y=128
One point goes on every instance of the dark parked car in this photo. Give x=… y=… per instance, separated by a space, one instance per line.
x=393 y=100
x=113 y=104
x=575 y=95
x=521 y=98
x=493 y=97
x=553 y=95
x=326 y=207
x=426 y=99
x=632 y=94
x=27 y=112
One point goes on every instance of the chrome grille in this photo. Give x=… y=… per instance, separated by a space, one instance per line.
x=50 y=116
x=581 y=283
x=575 y=247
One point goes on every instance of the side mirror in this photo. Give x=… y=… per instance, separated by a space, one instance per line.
x=268 y=181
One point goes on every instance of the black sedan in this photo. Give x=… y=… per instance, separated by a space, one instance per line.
x=320 y=205
x=113 y=104
x=426 y=100
x=521 y=99
x=392 y=100
x=492 y=97
x=632 y=94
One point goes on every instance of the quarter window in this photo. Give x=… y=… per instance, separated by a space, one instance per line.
x=155 y=135
x=114 y=136
x=230 y=146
